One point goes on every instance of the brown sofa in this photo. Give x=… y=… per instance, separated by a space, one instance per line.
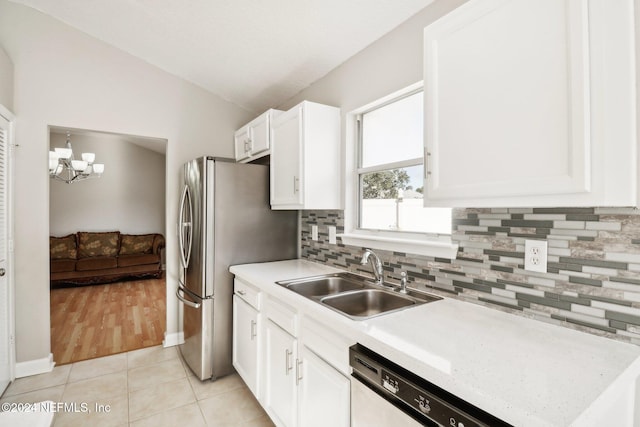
x=87 y=258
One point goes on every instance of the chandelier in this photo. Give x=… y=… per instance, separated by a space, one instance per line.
x=63 y=166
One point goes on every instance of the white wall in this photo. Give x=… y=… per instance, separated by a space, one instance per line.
x=387 y=65
x=128 y=197
x=65 y=78
x=6 y=80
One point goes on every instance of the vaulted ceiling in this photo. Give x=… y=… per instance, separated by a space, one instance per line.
x=254 y=53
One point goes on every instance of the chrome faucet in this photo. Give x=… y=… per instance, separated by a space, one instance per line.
x=403 y=283
x=376 y=265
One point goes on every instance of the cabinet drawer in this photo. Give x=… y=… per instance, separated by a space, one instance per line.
x=326 y=343
x=282 y=315
x=247 y=292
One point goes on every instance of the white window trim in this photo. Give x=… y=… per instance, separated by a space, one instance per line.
x=440 y=246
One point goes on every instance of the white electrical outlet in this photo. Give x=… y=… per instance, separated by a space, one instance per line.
x=332 y=234
x=314 y=232
x=535 y=255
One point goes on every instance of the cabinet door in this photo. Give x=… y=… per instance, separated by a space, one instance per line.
x=280 y=376
x=286 y=159
x=246 y=343
x=324 y=393
x=260 y=134
x=507 y=102
x=242 y=140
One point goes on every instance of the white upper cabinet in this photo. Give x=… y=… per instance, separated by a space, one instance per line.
x=531 y=103
x=305 y=158
x=253 y=140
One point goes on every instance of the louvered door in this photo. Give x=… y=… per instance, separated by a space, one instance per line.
x=5 y=294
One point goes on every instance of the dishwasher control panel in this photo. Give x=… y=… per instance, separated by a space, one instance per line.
x=419 y=398
x=429 y=405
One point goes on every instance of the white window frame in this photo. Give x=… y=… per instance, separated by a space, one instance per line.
x=436 y=245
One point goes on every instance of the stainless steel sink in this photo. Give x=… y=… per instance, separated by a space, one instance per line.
x=355 y=296
x=321 y=286
x=368 y=303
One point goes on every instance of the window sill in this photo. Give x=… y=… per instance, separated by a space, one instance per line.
x=440 y=249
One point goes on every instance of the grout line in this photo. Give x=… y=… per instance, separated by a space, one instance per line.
x=185 y=370
x=127 y=393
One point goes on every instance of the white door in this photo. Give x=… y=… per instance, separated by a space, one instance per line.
x=6 y=295
x=241 y=141
x=324 y=393
x=507 y=103
x=245 y=343
x=260 y=134
x=286 y=164
x=280 y=388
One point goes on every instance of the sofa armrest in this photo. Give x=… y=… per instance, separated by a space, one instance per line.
x=158 y=243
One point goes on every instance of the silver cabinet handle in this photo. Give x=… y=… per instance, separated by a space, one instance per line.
x=253 y=330
x=427 y=155
x=296 y=182
x=287 y=361
x=241 y=292
x=298 y=371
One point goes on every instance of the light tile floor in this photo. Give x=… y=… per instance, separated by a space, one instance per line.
x=148 y=387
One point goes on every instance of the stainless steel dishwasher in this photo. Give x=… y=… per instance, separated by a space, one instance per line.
x=384 y=394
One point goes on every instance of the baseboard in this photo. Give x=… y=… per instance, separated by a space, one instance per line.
x=171 y=340
x=35 y=367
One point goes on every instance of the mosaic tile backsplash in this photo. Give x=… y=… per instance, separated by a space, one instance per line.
x=592 y=281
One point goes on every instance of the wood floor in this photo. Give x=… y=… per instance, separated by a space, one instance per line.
x=99 y=320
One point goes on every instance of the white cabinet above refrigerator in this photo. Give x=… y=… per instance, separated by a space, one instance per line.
x=253 y=140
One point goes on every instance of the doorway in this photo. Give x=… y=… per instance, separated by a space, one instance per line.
x=102 y=305
x=7 y=342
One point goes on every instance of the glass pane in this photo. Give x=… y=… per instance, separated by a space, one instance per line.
x=392 y=200
x=393 y=132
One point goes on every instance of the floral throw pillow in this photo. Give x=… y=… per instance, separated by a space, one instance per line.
x=138 y=244
x=63 y=247
x=98 y=244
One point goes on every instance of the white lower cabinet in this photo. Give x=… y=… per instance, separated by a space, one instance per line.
x=324 y=393
x=280 y=398
x=298 y=374
x=246 y=324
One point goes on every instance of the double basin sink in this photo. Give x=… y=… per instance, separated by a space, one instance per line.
x=355 y=296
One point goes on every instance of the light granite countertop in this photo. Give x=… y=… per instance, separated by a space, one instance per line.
x=524 y=371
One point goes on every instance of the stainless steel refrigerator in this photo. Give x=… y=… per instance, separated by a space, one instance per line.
x=224 y=219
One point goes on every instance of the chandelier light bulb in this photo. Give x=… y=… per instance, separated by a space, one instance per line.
x=79 y=165
x=98 y=168
x=64 y=153
x=53 y=165
x=88 y=157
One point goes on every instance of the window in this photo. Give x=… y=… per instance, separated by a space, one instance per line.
x=391 y=169
x=384 y=186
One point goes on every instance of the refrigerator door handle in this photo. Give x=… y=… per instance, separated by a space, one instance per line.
x=185 y=223
x=184 y=300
